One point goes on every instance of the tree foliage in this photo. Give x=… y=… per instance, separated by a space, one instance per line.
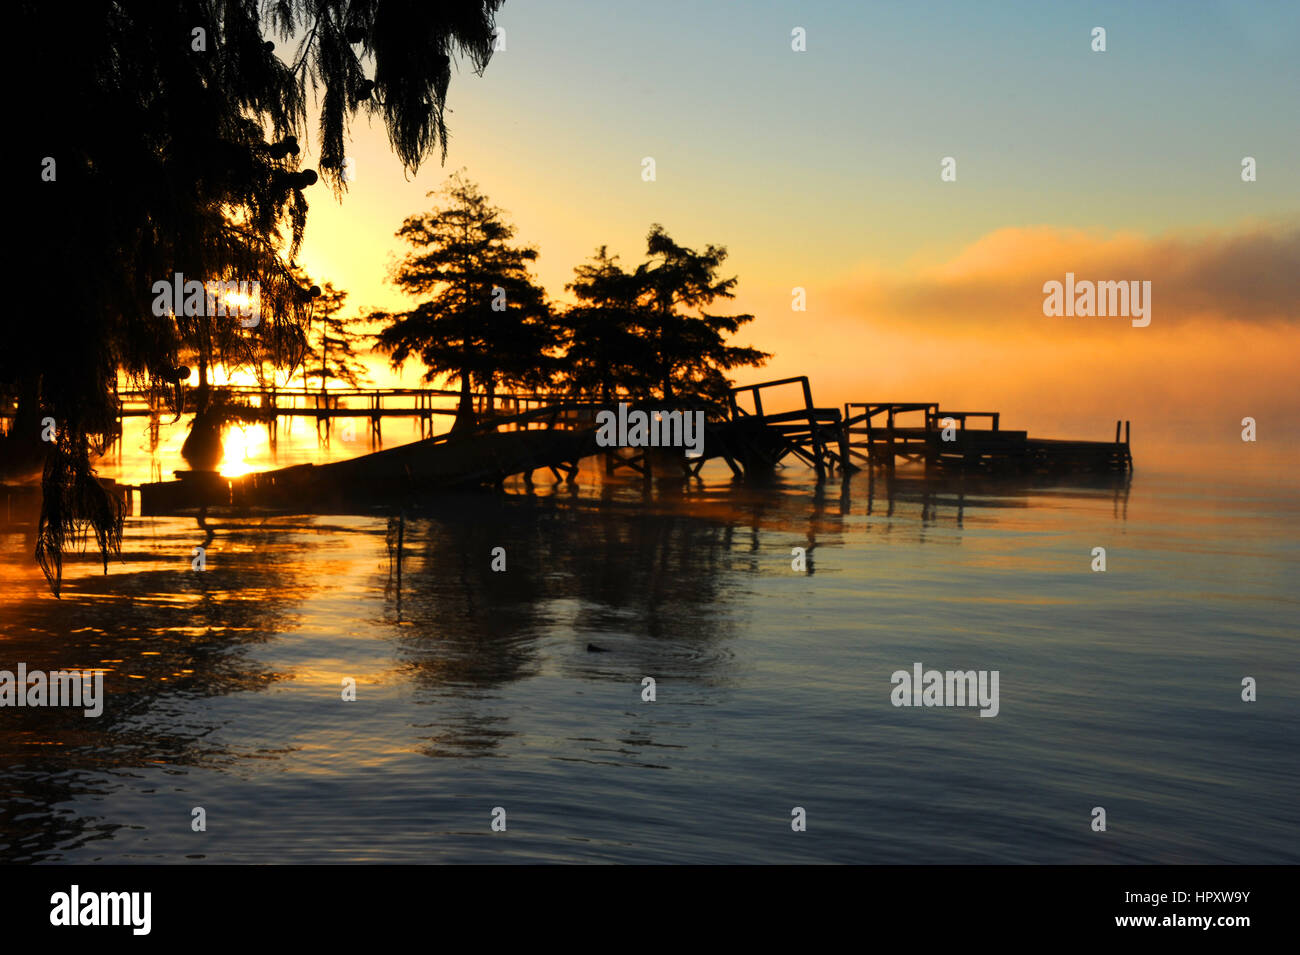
x=483 y=320
x=605 y=352
x=333 y=342
x=649 y=332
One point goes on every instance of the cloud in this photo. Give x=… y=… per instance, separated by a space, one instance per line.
x=969 y=332
x=1248 y=275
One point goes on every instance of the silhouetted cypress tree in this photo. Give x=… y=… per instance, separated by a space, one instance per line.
x=333 y=342
x=162 y=138
x=606 y=355
x=688 y=352
x=648 y=331
x=483 y=319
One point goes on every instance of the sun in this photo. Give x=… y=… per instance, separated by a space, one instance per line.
x=243 y=447
x=238 y=302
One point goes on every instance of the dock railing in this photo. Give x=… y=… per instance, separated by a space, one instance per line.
x=934 y=420
x=884 y=442
x=814 y=435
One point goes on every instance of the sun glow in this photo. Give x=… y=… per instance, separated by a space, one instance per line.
x=243 y=450
x=239 y=302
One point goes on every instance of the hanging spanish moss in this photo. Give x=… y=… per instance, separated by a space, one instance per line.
x=74 y=506
x=175 y=150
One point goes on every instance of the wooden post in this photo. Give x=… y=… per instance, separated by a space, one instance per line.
x=273 y=423
x=871 y=436
x=890 y=437
x=815 y=433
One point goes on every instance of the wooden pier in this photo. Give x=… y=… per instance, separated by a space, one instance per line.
x=754 y=433
x=269 y=404
x=763 y=438
x=884 y=433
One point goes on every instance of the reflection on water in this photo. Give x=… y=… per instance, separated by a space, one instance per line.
x=476 y=687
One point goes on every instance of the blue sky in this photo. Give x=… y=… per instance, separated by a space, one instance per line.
x=820 y=169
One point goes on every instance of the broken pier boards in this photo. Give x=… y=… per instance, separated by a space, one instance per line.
x=752 y=440
x=942 y=441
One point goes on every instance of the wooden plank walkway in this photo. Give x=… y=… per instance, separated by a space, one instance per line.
x=945 y=443
x=556 y=436
x=269 y=404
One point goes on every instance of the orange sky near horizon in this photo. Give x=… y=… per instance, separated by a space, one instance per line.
x=821 y=170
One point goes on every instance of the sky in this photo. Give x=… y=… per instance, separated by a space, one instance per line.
x=820 y=169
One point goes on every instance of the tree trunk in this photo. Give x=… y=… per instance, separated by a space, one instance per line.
x=665 y=367
x=465 y=420
x=491 y=396
x=202 y=398
x=202 y=449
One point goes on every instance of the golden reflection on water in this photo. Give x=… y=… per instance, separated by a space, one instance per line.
x=232 y=675
x=245 y=449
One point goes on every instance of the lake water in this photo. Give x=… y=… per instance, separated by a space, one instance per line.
x=475 y=688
